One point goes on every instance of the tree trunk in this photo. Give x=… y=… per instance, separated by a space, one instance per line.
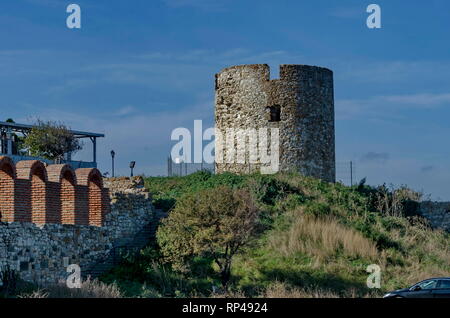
x=226 y=274
x=225 y=278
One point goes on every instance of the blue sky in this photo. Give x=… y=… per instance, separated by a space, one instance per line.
x=138 y=69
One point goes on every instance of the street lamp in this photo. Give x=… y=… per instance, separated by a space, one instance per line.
x=132 y=164
x=113 y=154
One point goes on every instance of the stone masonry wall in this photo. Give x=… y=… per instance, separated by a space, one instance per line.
x=437 y=213
x=303 y=98
x=42 y=252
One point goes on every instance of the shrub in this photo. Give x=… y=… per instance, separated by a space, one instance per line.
x=319 y=209
x=268 y=190
x=395 y=202
x=213 y=223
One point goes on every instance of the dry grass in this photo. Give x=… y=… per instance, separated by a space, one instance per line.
x=323 y=238
x=281 y=290
x=228 y=294
x=89 y=289
x=427 y=254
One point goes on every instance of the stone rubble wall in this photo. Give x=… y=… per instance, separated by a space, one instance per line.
x=41 y=253
x=437 y=213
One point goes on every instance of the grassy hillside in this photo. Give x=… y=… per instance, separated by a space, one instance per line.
x=316 y=240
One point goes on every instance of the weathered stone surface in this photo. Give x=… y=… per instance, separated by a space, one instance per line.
x=304 y=95
x=41 y=253
x=438 y=213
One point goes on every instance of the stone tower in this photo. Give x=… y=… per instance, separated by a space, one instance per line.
x=300 y=104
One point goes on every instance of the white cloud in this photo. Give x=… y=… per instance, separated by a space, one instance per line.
x=419 y=100
x=348 y=12
x=47 y=3
x=141 y=137
x=387 y=106
x=407 y=72
x=231 y=56
x=375 y=157
x=125 y=111
x=206 y=5
x=184 y=71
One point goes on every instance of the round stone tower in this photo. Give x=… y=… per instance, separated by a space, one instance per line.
x=299 y=106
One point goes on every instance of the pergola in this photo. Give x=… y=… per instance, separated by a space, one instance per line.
x=7 y=129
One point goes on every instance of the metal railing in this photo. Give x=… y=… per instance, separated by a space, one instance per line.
x=184 y=169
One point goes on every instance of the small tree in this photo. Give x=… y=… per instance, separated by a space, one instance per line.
x=213 y=223
x=51 y=140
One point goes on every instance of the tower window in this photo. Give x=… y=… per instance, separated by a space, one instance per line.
x=273 y=113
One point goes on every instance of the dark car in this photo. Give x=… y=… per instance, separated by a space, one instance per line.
x=430 y=288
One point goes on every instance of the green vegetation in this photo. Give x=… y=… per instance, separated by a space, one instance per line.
x=313 y=239
x=51 y=140
x=212 y=224
x=296 y=237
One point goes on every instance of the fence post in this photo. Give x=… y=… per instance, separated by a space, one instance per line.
x=351 y=173
x=169 y=166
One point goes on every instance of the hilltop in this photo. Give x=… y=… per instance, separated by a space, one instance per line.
x=316 y=240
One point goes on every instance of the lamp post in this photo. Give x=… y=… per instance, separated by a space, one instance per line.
x=132 y=164
x=113 y=154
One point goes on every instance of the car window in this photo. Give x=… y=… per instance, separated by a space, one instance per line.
x=429 y=284
x=444 y=283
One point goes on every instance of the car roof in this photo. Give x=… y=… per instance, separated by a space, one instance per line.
x=435 y=278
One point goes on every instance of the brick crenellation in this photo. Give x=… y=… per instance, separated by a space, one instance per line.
x=32 y=192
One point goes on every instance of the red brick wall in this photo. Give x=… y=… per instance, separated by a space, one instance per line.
x=61 y=185
x=7 y=176
x=81 y=205
x=90 y=187
x=32 y=192
x=22 y=200
x=68 y=204
x=54 y=203
x=38 y=196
